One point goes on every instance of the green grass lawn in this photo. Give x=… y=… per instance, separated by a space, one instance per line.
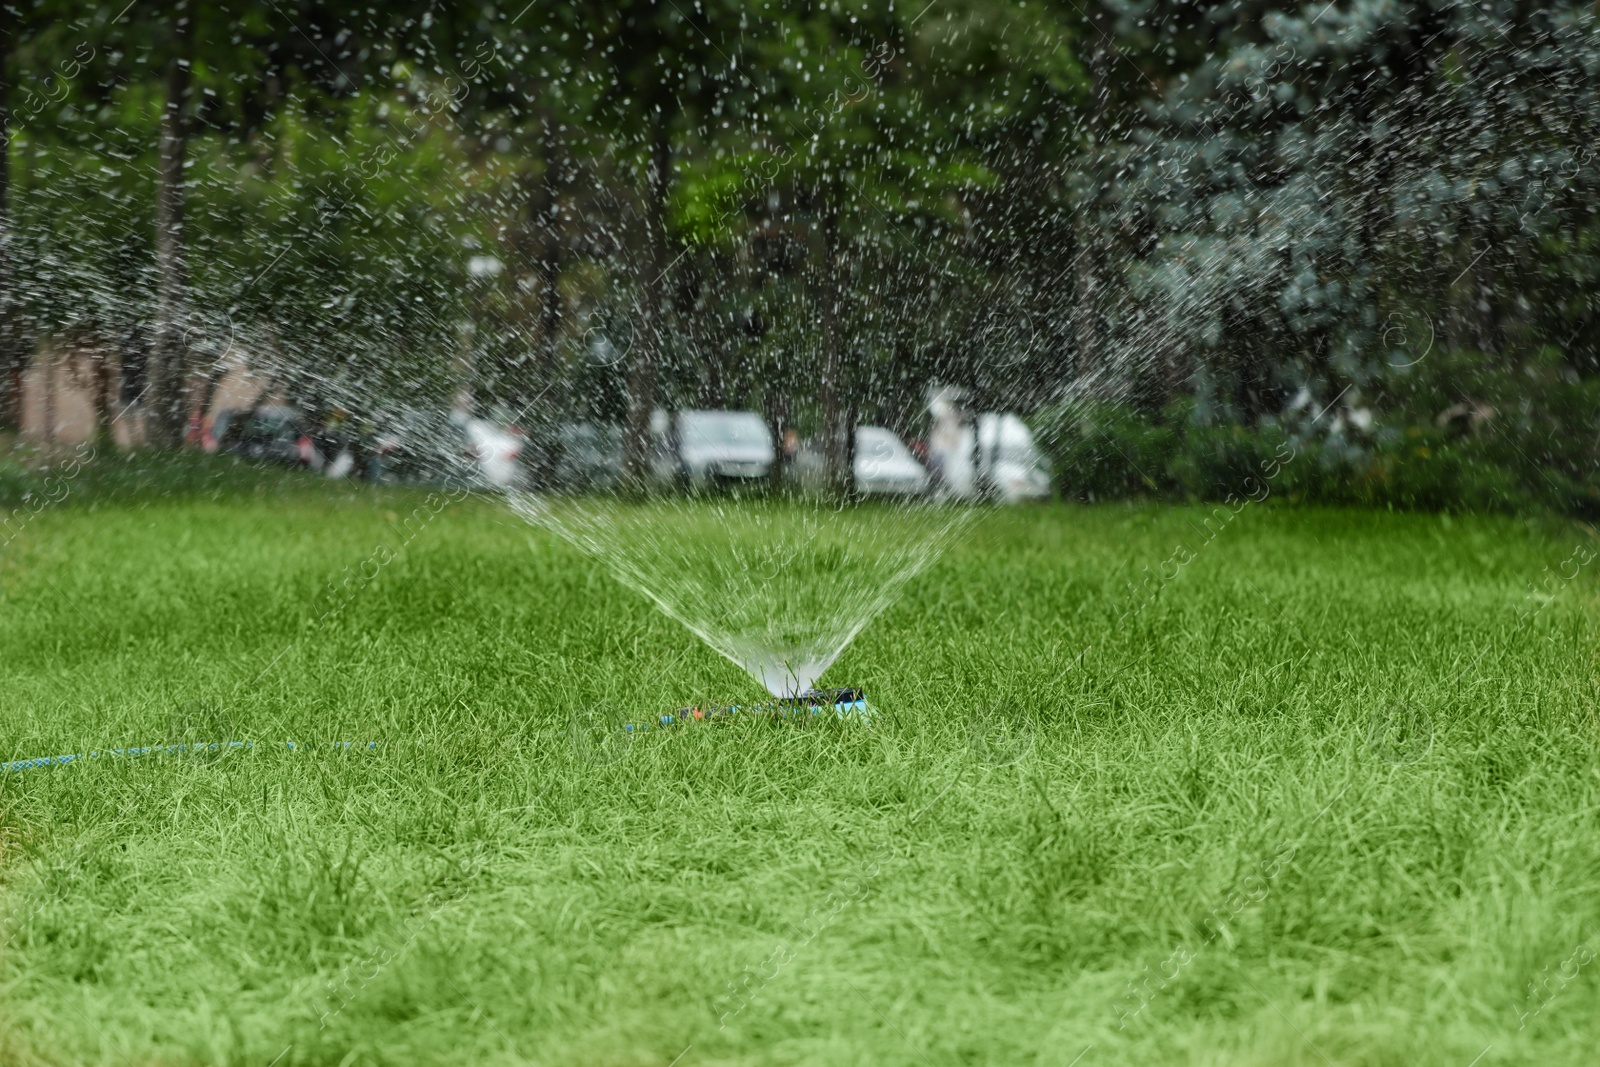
x=1327 y=795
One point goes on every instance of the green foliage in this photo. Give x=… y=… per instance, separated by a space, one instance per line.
x=1457 y=431
x=36 y=479
x=1105 y=451
x=1215 y=213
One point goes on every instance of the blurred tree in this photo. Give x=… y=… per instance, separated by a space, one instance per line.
x=170 y=369
x=12 y=354
x=813 y=209
x=663 y=74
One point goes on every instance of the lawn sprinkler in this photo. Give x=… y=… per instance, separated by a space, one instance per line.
x=844 y=703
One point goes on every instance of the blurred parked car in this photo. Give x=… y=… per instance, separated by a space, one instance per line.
x=700 y=448
x=272 y=432
x=589 y=455
x=883 y=465
x=423 y=448
x=988 y=455
x=492 y=451
x=340 y=445
x=398 y=452
x=1010 y=463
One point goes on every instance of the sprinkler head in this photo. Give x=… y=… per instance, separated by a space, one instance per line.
x=843 y=702
x=828 y=696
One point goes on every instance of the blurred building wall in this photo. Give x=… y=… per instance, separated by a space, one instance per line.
x=58 y=397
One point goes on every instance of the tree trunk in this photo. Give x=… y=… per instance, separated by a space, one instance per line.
x=651 y=337
x=99 y=375
x=209 y=384
x=847 y=462
x=169 y=369
x=1087 y=297
x=775 y=406
x=543 y=430
x=838 y=431
x=1485 y=294
x=1471 y=322
x=1173 y=374
x=48 y=387
x=12 y=358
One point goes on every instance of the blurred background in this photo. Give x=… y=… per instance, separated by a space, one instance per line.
x=966 y=247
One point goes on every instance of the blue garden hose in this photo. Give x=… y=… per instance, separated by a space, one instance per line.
x=17 y=766
x=844 y=703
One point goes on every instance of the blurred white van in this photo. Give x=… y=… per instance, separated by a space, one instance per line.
x=698 y=448
x=883 y=466
x=988 y=455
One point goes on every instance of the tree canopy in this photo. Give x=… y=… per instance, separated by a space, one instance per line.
x=1225 y=214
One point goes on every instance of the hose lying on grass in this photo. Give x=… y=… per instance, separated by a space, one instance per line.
x=16 y=766
x=844 y=703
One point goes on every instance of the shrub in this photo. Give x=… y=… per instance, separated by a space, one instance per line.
x=1462 y=432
